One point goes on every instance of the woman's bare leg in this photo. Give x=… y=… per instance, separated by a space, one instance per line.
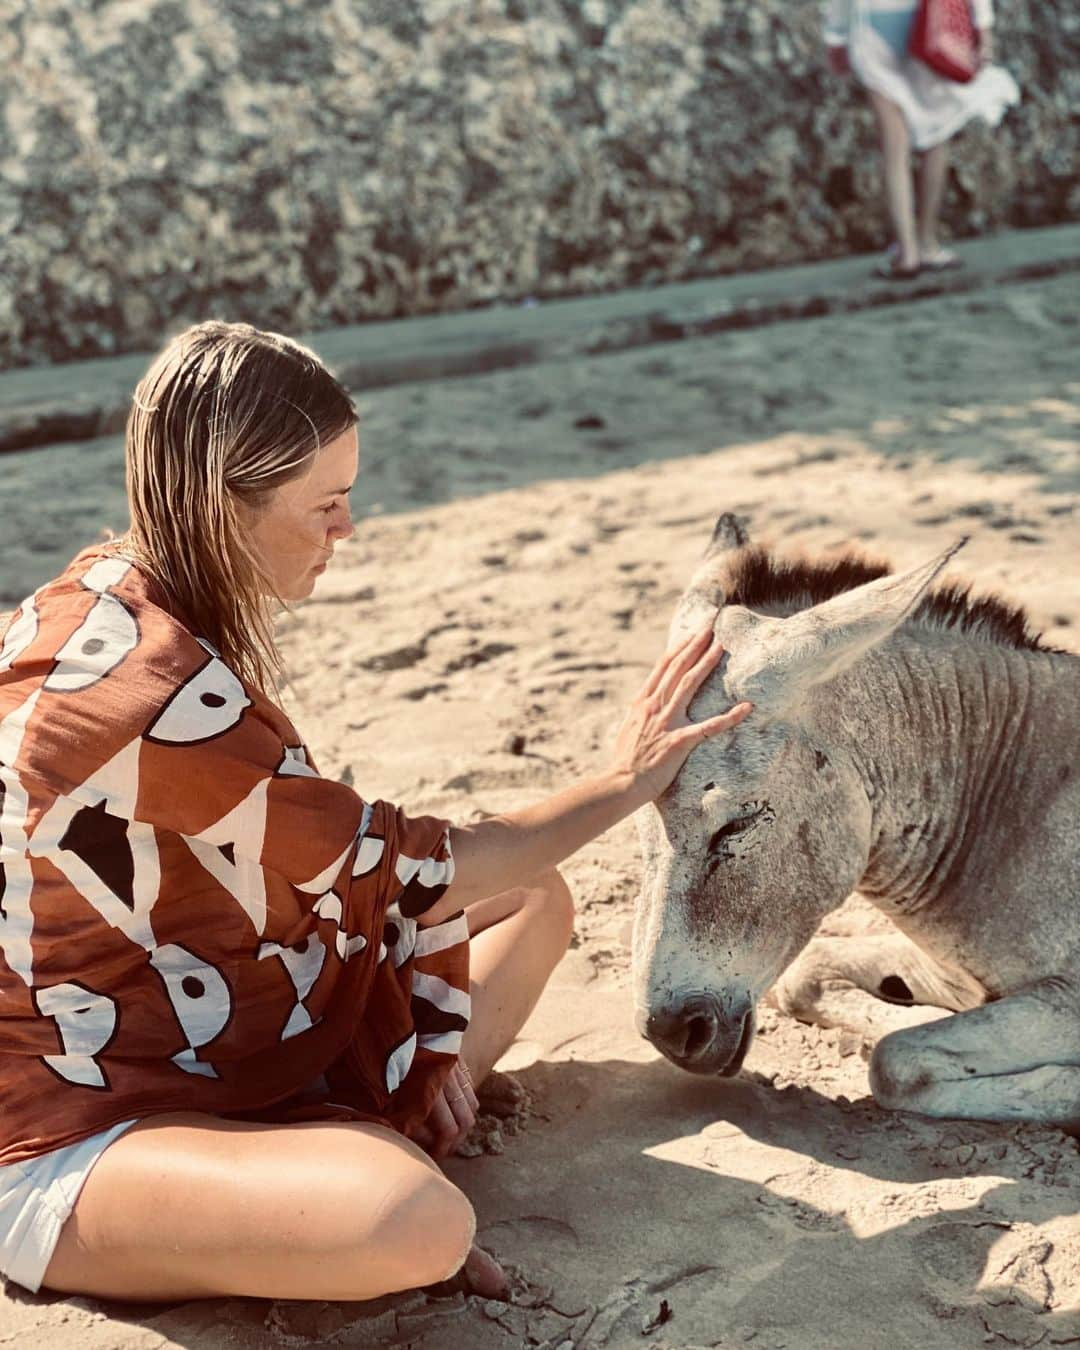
x=896 y=152
x=190 y=1205
x=932 y=171
x=517 y=940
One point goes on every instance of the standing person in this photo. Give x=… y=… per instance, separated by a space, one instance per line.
x=915 y=109
x=236 y=997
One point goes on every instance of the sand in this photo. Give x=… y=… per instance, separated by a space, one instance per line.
x=523 y=538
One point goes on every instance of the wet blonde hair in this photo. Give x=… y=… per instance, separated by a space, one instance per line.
x=226 y=414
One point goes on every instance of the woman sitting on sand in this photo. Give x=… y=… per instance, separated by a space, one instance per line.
x=915 y=108
x=236 y=997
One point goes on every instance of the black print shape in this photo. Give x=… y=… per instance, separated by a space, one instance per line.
x=417 y=899
x=431 y=1020
x=101 y=841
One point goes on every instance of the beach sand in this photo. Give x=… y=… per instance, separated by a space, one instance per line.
x=522 y=540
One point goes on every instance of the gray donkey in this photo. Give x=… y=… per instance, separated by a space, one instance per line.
x=914 y=744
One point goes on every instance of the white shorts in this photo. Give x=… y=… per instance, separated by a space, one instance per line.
x=36 y=1198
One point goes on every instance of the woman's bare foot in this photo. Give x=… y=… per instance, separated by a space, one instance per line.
x=480 y=1275
x=485 y=1276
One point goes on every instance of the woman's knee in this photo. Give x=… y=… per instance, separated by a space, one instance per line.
x=553 y=903
x=425 y=1229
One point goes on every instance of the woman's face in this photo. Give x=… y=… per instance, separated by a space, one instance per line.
x=294 y=533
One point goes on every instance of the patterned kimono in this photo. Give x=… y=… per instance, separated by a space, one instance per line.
x=191 y=918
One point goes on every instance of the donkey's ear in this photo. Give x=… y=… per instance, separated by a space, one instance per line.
x=815 y=644
x=728 y=533
x=703 y=597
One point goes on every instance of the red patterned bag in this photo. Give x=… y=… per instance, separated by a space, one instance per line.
x=943 y=37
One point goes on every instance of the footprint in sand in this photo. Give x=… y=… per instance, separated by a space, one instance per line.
x=478 y=656
x=529 y=1229
x=398 y=658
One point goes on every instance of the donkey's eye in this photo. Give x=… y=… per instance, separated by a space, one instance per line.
x=750 y=814
x=728 y=831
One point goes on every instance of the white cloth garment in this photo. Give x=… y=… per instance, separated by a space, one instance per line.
x=875 y=33
x=36 y=1197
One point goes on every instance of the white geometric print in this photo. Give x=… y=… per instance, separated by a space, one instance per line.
x=200 y=997
x=303 y=962
x=85 y=1022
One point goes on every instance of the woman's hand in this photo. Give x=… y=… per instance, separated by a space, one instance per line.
x=452 y=1116
x=839 y=62
x=657 y=735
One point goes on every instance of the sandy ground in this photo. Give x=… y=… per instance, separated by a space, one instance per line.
x=524 y=537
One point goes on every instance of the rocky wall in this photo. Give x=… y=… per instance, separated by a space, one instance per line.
x=304 y=163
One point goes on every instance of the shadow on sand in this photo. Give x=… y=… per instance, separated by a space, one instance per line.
x=785 y=1218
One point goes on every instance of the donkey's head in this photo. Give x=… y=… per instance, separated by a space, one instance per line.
x=767 y=828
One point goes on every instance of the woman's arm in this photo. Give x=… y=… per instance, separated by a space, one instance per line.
x=653 y=742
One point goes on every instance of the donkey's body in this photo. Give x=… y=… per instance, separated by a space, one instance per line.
x=920 y=748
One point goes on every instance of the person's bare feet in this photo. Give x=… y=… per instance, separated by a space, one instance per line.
x=485 y=1276
x=480 y=1275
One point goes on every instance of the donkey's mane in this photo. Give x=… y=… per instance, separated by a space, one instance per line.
x=754 y=578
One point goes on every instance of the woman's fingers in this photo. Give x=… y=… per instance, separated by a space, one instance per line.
x=712 y=726
x=467 y=1086
x=457 y=1099
x=452 y=1116
x=421 y=1135
x=687 y=660
x=692 y=679
x=443 y=1127
x=674 y=654
x=656 y=736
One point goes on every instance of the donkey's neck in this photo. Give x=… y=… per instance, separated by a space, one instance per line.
x=943 y=732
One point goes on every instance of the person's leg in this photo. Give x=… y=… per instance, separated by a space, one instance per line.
x=516 y=941
x=896 y=153
x=932 y=172
x=190 y=1205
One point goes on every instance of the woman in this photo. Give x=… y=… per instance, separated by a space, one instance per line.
x=914 y=108
x=236 y=997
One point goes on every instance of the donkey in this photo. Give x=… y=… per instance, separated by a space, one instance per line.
x=914 y=744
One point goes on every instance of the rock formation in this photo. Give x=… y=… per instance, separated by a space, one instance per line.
x=304 y=163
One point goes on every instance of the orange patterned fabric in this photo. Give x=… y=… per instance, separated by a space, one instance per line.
x=191 y=918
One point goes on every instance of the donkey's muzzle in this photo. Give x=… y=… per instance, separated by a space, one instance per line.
x=700 y=1035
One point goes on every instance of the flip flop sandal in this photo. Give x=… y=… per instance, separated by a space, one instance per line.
x=942 y=262
x=888 y=271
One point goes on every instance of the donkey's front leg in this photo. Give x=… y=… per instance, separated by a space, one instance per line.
x=1016 y=1059
x=870 y=985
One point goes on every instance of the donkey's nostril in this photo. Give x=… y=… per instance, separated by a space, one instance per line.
x=685 y=1032
x=699 y=1034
